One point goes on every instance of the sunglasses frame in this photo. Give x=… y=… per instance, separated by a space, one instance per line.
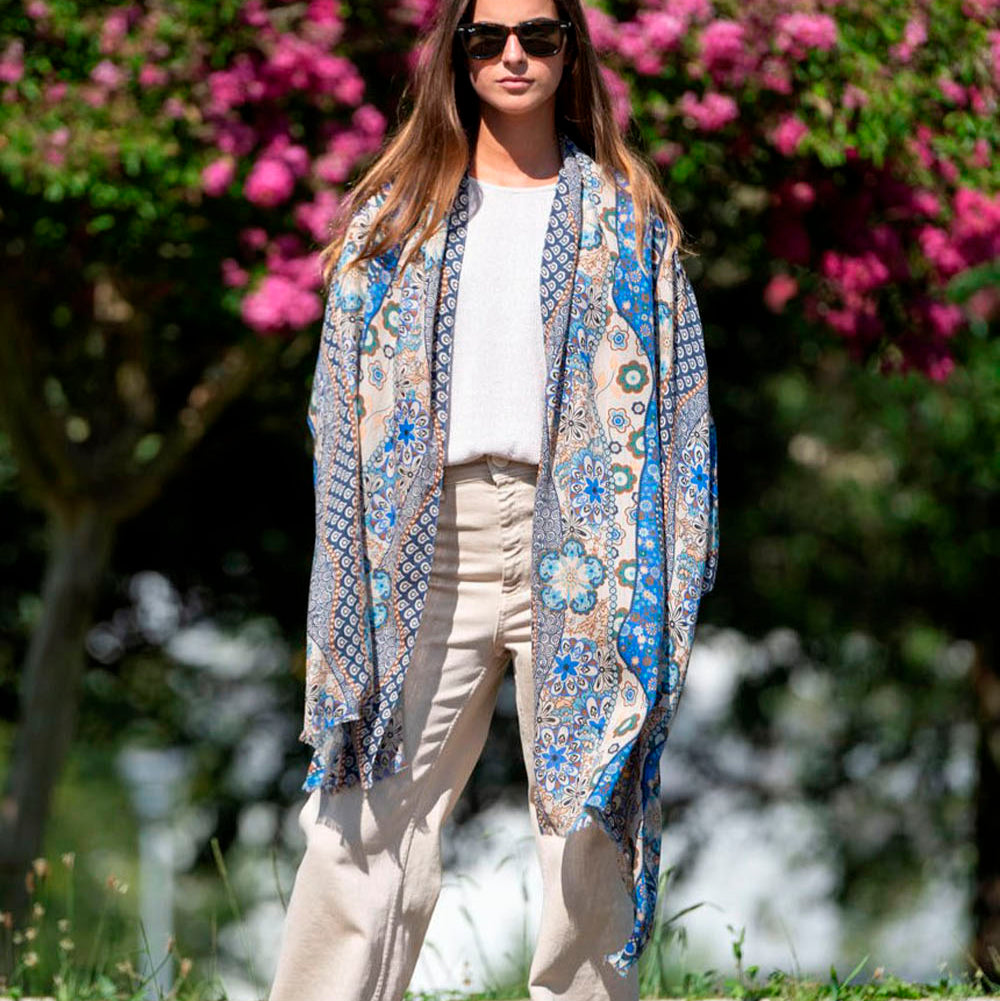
x=465 y=32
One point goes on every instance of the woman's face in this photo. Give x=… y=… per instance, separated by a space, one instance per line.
x=514 y=83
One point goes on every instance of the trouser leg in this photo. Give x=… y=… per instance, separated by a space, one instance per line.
x=368 y=883
x=586 y=909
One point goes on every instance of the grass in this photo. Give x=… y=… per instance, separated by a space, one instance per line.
x=44 y=961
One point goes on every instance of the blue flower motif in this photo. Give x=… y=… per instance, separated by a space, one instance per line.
x=587 y=486
x=554 y=757
x=412 y=431
x=571 y=577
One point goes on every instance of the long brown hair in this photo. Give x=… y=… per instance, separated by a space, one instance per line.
x=426 y=157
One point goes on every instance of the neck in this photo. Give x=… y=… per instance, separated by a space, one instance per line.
x=521 y=151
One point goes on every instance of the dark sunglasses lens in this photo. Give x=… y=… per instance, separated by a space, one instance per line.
x=485 y=42
x=541 y=39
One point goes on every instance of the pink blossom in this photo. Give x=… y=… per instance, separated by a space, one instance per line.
x=269 y=182
x=925 y=202
x=947 y=169
x=854 y=275
x=254 y=13
x=280 y=303
x=980 y=10
x=37 y=9
x=940 y=368
x=667 y=152
x=914 y=35
x=114 y=29
x=724 y=51
x=713 y=112
x=854 y=97
x=294 y=156
x=952 y=91
x=253 y=238
x=631 y=40
x=788 y=134
x=603 y=29
x=940 y=251
x=95 y=96
x=233 y=276
x=107 y=74
x=779 y=290
x=333 y=168
x=977 y=101
x=315 y=216
x=369 y=120
x=288 y=262
x=235 y=137
x=663 y=31
x=227 y=90
x=325 y=12
x=55 y=92
x=798 y=33
x=976 y=225
x=994 y=39
x=621 y=106
x=802 y=194
x=55 y=157
x=59 y=136
x=218 y=175
x=775 y=75
x=12 y=62
x=152 y=75
x=945 y=318
x=173 y=107
x=981 y=153
x=688 y=10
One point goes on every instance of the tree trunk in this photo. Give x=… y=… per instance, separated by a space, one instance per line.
x=986 y=899
x=79 y=552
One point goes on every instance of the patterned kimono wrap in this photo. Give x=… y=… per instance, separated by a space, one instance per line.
x=625 y=532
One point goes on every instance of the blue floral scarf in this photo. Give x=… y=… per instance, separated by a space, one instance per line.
x=625 y=531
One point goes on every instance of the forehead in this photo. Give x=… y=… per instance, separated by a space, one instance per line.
x=511 y=11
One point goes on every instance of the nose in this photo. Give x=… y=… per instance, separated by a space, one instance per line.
x=512 y=51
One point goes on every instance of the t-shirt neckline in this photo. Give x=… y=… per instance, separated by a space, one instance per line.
x=514 y=187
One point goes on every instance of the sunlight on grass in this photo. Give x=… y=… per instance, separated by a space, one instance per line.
x=44 y=961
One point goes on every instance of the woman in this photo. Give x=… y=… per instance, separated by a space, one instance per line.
x=514 y=461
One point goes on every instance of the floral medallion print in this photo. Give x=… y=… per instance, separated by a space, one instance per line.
x=623 y=477
x=585 y=478
x=633 y=377
x=559 y=756
x=413 y=430
x=574 y=667
x=626 y=572
x=637 y=443
x=571 y=578
x=619 y=420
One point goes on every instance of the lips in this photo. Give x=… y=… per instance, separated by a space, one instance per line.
x=515 y=79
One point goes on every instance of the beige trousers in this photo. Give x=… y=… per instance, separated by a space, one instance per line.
x=368 y=883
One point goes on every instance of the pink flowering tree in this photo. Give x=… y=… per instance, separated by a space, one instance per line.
x=167 y=174
x=852 y=145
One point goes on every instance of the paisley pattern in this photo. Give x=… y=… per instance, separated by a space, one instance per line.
x=625 y=532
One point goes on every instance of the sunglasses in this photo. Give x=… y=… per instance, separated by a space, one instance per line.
x=541 y=36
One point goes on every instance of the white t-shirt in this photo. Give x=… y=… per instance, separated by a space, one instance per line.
x=498 y=355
